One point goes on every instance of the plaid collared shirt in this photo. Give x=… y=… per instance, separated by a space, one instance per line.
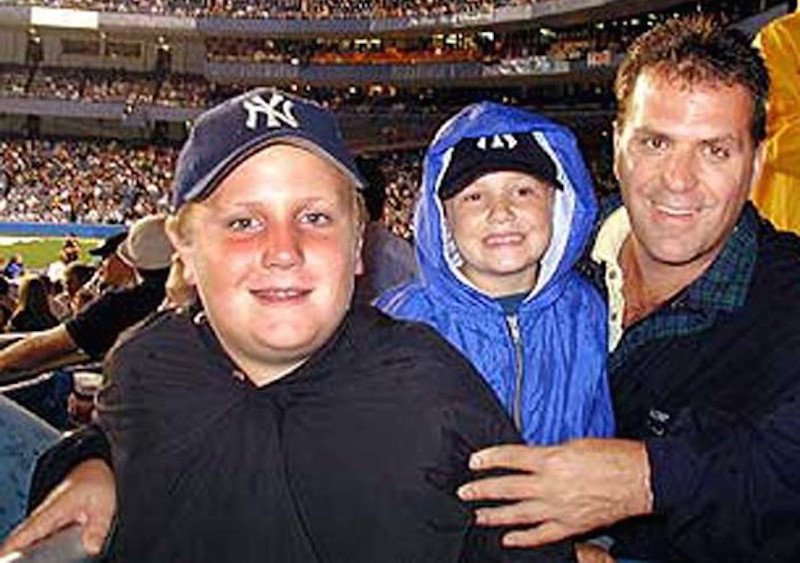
x=722 y=288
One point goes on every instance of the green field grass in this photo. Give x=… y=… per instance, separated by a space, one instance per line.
x=37 y=253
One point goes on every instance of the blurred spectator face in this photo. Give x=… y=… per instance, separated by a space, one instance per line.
x=33 y=293
x=502 y=224
x=75 y=276
x=115 y=273
x=273 y=252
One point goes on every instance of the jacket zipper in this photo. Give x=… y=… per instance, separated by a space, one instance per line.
x=516 y=409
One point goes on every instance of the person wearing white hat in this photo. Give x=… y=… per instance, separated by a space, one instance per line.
x=92 y=332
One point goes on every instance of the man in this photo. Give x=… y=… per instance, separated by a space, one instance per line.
x=505 y=209
x=777 y=194
x=89 y=335
x=704 y=298
x=112 y=271
x=271 y=421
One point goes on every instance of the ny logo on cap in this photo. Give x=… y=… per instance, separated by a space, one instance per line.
x=504 y=141
x=278 y=110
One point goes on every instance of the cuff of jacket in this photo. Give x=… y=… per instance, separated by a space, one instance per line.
x=56 y=463
x=673 y=469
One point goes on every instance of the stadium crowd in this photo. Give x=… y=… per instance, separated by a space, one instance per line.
x=285 y=9
x=54 y=181
x=82 y=182
x=105 y=86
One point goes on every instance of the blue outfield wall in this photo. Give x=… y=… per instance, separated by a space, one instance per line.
x=58 y=229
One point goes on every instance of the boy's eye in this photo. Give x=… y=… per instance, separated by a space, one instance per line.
x=244 y=224
x=654 y=143
x=315 y=218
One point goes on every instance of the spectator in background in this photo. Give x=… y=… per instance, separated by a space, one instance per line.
x=388 y=258
x=112 y=272
x=91 y=333
x=15 y=267
x=70 y=252
x=7 y=303
x=777 y=194
x=33 y=314
x=33 y=307
x=75 y=277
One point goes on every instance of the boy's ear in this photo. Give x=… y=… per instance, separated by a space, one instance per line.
x=359 y=250
x=181 y=242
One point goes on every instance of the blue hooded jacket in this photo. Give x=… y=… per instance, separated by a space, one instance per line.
x=546 y=363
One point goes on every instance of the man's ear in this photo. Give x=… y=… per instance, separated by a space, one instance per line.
x=617 y=146
x=758 y=163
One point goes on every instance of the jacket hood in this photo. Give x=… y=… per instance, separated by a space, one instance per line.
x=574 y=207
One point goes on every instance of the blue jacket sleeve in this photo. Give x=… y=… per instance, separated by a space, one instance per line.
x=600 y=413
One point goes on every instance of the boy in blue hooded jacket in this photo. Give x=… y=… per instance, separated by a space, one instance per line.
x=506 y=207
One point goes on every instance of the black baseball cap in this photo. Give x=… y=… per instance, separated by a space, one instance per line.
x=473 y=157
x=109 y=245
x=226 y=135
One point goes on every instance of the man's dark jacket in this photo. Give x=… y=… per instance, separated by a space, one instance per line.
x=711 y=382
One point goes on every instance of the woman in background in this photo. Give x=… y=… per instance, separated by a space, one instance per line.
x=33 y=309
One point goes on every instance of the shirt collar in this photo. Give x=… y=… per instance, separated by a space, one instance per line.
x=611 y=236
x=723 y=286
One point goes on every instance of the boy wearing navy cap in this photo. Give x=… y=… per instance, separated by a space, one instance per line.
x=272 y=421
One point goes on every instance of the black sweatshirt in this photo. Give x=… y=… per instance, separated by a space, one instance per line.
x=355 y=456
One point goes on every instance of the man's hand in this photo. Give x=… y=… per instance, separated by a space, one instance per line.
x=86 y=497
x=563 y=490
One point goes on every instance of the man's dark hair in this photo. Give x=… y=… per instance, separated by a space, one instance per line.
x=375 y=192
x=694 y=50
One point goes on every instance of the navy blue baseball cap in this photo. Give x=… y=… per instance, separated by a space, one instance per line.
x=226 y=135
x=472 y=158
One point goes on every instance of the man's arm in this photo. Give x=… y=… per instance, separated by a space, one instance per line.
x=72 y=484
x=86 y=497
x=37 y=352
x=562 y=490
x=722 y=488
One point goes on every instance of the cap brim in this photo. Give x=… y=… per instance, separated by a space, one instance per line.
x=109 y=246
x=209 y=183
x=482 y=168
x=100 y=252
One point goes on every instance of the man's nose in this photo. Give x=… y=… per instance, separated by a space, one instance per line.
x=680 y=170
